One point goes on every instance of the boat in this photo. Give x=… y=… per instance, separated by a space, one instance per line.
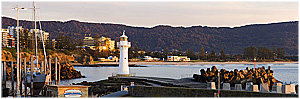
x=39 y=77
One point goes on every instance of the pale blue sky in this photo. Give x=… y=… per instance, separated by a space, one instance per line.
x=149 y=14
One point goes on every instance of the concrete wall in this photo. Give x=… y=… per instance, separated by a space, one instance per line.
x=150 y=91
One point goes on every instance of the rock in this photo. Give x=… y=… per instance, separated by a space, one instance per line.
x=255 y=75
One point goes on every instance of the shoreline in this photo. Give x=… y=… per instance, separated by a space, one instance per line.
x=185 y=63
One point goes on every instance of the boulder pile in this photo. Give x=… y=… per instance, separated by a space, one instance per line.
x=67 y=72
x=255 y=75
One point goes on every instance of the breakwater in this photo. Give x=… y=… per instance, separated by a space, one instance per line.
x=256 y=75
x=152 y=91
x=168 y=87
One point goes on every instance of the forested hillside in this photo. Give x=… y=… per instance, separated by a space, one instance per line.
x=233 y=40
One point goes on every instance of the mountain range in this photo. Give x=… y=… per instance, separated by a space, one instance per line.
x=233 y=40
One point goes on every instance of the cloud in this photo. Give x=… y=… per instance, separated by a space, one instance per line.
x=174 y=13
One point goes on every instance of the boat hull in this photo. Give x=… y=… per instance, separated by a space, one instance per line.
x=38 y=83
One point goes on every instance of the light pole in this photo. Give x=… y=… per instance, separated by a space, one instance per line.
x=18 y=50
x=219 y=86
x=254 y=61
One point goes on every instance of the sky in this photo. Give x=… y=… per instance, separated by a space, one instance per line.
x=153 y=13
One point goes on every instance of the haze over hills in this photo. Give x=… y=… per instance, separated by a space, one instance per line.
x=233 y=40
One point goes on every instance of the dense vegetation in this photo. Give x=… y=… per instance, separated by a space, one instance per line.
x=231 y=40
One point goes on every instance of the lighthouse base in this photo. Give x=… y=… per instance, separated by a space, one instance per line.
x=123 y=75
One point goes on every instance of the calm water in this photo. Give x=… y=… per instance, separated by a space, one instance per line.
x=283 y=72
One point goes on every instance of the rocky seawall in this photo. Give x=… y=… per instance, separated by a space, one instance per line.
x=255 y=75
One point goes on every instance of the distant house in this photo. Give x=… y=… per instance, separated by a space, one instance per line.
x=178 y=58
x=113 y=58
x=110 y=58
x=149 y=58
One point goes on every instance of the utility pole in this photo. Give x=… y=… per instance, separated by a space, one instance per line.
x=50 y=83
x=55 y=70
x=18 y=50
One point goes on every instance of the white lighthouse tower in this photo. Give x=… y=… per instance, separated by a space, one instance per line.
x=123 y=63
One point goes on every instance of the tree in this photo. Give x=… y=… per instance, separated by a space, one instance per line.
x=73 y=44
x=80 y=43
x=179 y=50
x=67 y=42
x=167 y=51
x=275 y=52
x=223 y=55
x=135 y=48
x=260 y=52
x=250 y=52
x=96 y=41
x=202 y=53
x=130 y=53
x=60 y=43
x=212 y=55
x=281 y=53
x=190 y=53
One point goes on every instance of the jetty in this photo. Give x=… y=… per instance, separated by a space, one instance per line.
x=184 y=87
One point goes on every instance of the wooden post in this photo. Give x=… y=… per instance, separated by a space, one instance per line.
x=12 y=79
x=20 y=79
x=50 y=70
x=31 y=73
x=4 y=74
x=55 y=70
x=42 y=66
x=45 y=64
x=59 y=73
x=18 y=76
x=25 y=77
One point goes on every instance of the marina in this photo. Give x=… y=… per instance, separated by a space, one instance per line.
x=43 y=59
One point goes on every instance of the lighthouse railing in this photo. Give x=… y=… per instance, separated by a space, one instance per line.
x=129 y=43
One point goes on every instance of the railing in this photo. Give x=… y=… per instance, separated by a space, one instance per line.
x=123 y=43
x=186 y=75
x=115 y=74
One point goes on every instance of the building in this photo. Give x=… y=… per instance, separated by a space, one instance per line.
x=88 y=41
x=44 y=33
x=5 y=33
x=149 y=58
x=68 y=91
x=107 y=42
x=104 y=43
x=109 y=59
x=53 y=41
x=11 y=37
x=178 y=58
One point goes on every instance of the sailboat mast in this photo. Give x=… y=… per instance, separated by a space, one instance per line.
x=18 y=53
x=36 y=50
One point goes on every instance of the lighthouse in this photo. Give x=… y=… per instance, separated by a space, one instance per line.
x=123 y=63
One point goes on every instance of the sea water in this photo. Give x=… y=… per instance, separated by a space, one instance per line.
x=282 y=72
